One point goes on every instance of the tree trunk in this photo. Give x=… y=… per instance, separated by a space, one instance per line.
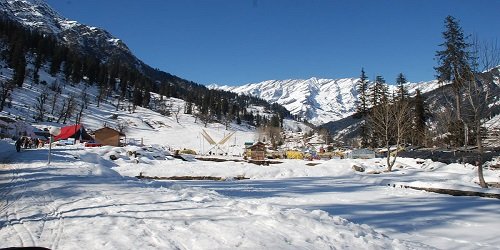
x=118 y=104
x=479 y=161
x=459 y=117
x=389 y=165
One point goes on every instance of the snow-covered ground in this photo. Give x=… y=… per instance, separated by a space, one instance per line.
x=84 y=199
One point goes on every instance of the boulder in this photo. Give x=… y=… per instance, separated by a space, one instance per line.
x=358 y=168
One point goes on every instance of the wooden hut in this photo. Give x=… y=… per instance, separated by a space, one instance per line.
x=108 y=136
x=257 y=151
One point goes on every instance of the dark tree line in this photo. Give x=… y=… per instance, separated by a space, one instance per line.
x=117 y=76
x=380 y=112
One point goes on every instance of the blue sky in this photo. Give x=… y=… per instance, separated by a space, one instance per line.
x=241 y=41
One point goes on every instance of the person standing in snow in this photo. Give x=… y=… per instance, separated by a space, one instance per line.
x=19 y=142
x=25 y=142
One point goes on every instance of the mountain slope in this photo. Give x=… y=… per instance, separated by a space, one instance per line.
x=38 y=15
x=437 y=98
x=31 y=29
x=317 y=100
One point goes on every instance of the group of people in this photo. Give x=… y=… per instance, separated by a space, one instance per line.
x=27 y=142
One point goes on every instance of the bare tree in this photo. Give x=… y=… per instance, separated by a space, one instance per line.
x=55 y=97
x=392 y=121
x=103 y=90
x=40 y=105
x=275 y=136
x=478 y=94
x=205 y=118
x=62 y=110
x=122 y=126
x=70 y=108
x=440 y=131
x=177 y=111
x=67 y=109
x=83 y=104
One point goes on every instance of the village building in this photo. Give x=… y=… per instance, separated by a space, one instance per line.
x=256 y=152
x=108 y=136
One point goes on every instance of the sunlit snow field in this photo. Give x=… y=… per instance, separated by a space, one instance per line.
x=84 y=199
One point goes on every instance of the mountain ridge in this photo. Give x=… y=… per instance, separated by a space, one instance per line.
x=318 y=100
x=90 y=52
x=37 y=14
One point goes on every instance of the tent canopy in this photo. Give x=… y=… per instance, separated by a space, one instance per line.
x=73 y=131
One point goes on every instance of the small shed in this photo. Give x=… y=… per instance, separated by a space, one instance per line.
x=108 y=136
x=257 y=151
x=362 y=153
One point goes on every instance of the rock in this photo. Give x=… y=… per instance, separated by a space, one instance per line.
x=113 y=157
x=358 y=168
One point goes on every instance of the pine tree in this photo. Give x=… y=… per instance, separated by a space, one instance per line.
x=362 y=106
x=379 y=99
x=454 y=65
x=402 y=90
x=20 y=70
x=362 y=88
x=18 y=62
x=419 y=119
x=5 y=91
x=378 y=91
x=38 y=64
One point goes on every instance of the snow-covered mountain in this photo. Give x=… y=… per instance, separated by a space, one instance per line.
x=38 y=15
x=317 y=100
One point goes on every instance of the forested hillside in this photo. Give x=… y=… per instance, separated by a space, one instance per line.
x=113 y=76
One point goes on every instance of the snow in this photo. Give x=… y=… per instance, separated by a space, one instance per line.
x=79 y=200
x=85 y=199
x=317 y=100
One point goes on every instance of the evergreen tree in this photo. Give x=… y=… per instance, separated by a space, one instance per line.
x=362 y=106
x=5 y=91
x=379 y=99
x=419 y=119
x=38 y=64
x=362 y=88
x=402 y=90
x=18 y=61
x=378 y=91
x=454 y=65
x=20 y=71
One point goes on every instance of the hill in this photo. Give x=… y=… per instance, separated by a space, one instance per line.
x=33 y=33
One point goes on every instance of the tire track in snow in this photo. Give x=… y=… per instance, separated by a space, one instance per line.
x=21 y=228
x=11 y=211
x=40 y=210
x=6 y=189
x=45 y=225
x=7 y=202
x=59 y=227
x=52 y=222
